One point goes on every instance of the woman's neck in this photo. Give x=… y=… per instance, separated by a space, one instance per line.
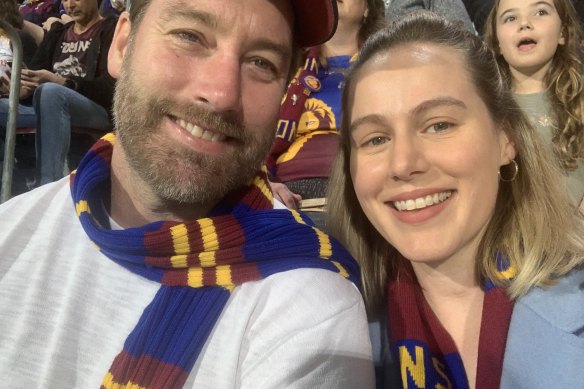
x=456 y=298
x=453 y=278
x=344 y=42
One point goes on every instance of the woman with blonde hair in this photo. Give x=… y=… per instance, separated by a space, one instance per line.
x=471 y=255
x=538 y=47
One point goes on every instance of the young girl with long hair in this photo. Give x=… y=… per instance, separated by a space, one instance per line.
x=538 y=47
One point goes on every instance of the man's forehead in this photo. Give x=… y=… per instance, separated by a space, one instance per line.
x=278 y=13
x=312 y=22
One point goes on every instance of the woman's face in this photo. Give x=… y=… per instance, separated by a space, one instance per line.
x=529 y=33
x=351 y=11
x=425 y=152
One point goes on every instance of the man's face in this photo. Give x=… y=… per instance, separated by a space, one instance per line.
x=82 y=11
x=198 y=93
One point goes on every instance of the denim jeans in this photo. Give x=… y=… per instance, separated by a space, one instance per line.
x=25 y=118
x=57 y=109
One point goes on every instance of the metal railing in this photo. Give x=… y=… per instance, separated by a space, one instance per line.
x=13 y=100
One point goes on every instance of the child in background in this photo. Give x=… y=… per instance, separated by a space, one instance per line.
x=537 y=43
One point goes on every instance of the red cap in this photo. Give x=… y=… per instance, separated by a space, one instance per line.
x=315 y=21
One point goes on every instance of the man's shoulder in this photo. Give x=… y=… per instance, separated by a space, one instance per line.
x=38 y=200
x=305 y=298
x=306 y=326
x=308 y=287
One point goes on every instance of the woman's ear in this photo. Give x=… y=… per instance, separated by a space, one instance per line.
x=119 y=45
x=508 y=151
x=562 y=39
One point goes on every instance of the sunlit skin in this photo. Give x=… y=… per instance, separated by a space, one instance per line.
x=529 y=33
x=227 y=58
x=417 y=131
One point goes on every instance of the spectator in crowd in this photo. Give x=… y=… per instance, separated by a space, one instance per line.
x=71 y=86
x=450 y=9
x=112 y=8
x=38 y=11
x=538 y=50
x=164 y=248
x=307 y=135
x=470 y=252
x=9 y=13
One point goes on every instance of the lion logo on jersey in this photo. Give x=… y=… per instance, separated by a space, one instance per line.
x=316 y=115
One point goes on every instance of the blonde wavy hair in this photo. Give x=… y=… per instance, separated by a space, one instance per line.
x=533 y=225
x=564 y=82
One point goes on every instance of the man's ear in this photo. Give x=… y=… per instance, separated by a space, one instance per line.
x=119 y=45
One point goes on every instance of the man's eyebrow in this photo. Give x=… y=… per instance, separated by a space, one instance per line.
x=210 y=20
x=187 y=13
x=426 y=105
x=284 y=50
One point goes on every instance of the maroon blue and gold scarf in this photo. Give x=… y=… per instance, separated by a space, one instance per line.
x=426 y=355
x=197 y=264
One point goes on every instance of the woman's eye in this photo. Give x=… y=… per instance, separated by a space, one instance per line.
x=438 y=127
x=509 y=19
x=541 y=12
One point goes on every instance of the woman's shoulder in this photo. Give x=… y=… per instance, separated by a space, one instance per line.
x=561 y=305
x=545 y=344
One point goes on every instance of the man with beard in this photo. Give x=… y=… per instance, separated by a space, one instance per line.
x=162 y=264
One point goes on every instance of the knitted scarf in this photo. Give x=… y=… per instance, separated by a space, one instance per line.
x=425 y=352
x=292 y=107
x=198 y=264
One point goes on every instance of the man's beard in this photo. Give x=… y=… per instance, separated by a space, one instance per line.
x=174 y=172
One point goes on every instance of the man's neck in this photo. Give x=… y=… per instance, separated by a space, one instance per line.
x=134 y=204
x=81 y=27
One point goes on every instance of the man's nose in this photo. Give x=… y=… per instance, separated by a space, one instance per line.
x=220 y=92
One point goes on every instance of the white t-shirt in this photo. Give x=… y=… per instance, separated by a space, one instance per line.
x=66 y=311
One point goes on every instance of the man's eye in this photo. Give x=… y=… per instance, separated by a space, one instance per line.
x=189 y=36
x=264 y=64
x=438 y=127
x=376 y=141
